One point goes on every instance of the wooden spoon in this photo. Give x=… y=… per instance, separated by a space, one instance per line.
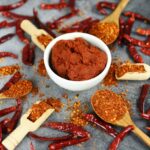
x=108 y=28
x=12 y=140
x=136 y=75
x=124 y=122
x=20 y=89
x=34 y=32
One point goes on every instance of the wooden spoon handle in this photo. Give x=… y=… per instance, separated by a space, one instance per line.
x=122 y=4
x=142 y=135
x=15 y=137
x=28 y=27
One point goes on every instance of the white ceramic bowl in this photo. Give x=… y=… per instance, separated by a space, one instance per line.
x=77 y=85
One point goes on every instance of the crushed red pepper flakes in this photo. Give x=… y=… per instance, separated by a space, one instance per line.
x=38 y=109
x=109 y=105
x=41 y=68
x=21 y=88
x=108 y=32
x=110 y=79
x=44 y=39
x=129 y=67
x=35 y=91
x=76 y=115
x=9 y=70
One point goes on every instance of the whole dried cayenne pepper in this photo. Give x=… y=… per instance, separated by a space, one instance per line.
x=114 y=145
x=28 y=54
x=12 y=6
x=134 y=54
x=14 y=79
x=14 y=120
x=8 y=54
x=6 y=24
x=6 y=37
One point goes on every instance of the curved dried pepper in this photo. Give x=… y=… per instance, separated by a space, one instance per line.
x=134 y=54
x=114 y=145
x=53 y=6
x=145 y=51
x=56 y=23
x=101 y=6
x=100 y=123
x=8 y=110
x=14 y=120
x=41 y=138
x=144 y=91
x=12 y=6
x=142 y=31
x=28 y=54
x=20 y=33
x=129 y=25
x=5 y=24
x=13 y=15
x=8 y=54
x=15 y=78
x=136 y=16
x=6 y=37
x=41 y=25
x=145 y=116
x=133 y=41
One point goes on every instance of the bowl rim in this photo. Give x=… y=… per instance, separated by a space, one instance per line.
x=77 y=34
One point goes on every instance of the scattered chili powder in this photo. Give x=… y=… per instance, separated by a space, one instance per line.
x=123 y=69
x=41 y=68
x=109 y=105
x=110 y=79
x=9 y=70
x=21 y=88
x=35 y=91
x=44 y=39
x=77 y=111
x=108 y=32
x=38 y=109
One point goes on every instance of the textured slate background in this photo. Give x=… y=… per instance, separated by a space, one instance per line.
x=99 y=140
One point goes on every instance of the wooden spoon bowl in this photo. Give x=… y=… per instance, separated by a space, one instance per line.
x=124 y=122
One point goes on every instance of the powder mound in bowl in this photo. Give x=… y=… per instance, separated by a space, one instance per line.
x=109 y=105
x=77 y=59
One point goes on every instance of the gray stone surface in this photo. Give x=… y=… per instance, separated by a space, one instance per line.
x=99 y=140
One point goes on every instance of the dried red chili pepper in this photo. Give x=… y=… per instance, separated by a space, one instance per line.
x=71 y=4
x=80 y=135
x=6 y=37
x=15 y=78
x=1 y=136
x=8 y=54
x=145 y=116
x=5 y=24
x=122 y=31
x=143 y=94
x=12 y=6
x=14 y=120
x=56 y=23
x=129 y=25
x=142 y=31
x=20 y=33
x=114 y=145
x=133 y=41
x=31 y=146
x=136 y=16
x=53 y=6
x=100 y=123
x=13 y=15
x=28 y=54
x=134 y=54
x=41 y=138
x=145 y=51
x=8 y=110
x=101 y=6
x=41 y=25
x=3 y=123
